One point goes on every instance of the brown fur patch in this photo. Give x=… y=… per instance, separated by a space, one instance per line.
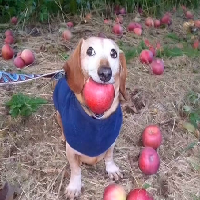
x=104 y=62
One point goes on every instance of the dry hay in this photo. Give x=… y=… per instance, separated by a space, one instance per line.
x=33 y=156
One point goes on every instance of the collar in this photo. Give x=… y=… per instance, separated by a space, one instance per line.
x=98 y=116
x=94 y=115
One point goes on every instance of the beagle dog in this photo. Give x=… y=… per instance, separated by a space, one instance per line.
x=90 y=137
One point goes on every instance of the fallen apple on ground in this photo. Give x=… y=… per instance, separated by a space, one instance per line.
x=117 y=9
x=156 y=23
x=149 y=161
x=138 y=31
x=197 y=23
x=166 y=19
x=7 y=52
x=152 y=49
x=151 y=136
x=8 y=32
x=146 y=56
x=139 y=194
x=147 y=43
x=98 y=97
x=184 y=8
x=196 y=44
x=19 y=62
x=70 y=24
x=9 y=39
x=88 y=16
x=149 y=22
x=122 y=11
x=157 y=66
x=140 y=11
x=189 y=15
x=27 y=56
x=117 y=29
x=66 y=35
x=114 y=192
x=107 y=21
x=133 y=25
x=119 y=19
x=14 y=20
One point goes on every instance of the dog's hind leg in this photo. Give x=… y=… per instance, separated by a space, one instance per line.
x=59 y=120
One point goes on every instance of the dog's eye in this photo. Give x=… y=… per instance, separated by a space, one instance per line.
x=113 y=53
x=91 y=51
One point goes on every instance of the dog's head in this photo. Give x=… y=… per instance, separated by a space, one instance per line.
x=99 y=59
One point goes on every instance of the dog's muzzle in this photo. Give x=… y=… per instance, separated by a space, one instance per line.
x=104 y=73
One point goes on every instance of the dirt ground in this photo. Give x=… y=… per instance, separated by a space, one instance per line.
x=32 y=155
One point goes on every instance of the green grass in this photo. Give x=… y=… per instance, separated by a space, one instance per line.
x=23 y=105
x=192 y=109
x=64 y=56
x=174 y=37
x=194 y=197
x=187 y=49
x=166 y=52
x=132 y=52
x=170 y=52
x=34 y=10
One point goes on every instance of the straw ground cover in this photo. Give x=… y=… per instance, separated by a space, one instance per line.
x=32 y=155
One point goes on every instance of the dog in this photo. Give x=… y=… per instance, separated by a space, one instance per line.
x=90 y=137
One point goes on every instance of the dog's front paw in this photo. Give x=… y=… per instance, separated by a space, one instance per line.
x=113 y=171
x=73 y=191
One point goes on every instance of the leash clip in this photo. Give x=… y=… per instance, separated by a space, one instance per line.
x=98 y=116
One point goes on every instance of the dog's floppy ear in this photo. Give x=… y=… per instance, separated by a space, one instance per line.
x=123 y=75
x=72 y=67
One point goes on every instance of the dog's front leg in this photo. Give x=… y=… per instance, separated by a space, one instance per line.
x=74 y=188
x=111 y=167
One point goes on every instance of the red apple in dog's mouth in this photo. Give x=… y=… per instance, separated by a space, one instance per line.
x=98 y=97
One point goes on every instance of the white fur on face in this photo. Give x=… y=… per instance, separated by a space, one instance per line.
x=102 y=48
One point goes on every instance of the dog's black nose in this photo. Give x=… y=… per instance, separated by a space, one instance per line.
x=104 y=73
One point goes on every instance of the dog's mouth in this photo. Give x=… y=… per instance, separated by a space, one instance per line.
x=98 y=96
x=97 y=80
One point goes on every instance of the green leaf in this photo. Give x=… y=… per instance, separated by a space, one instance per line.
x=187 y=109
x=38 y=101
x=190 y=146
x=26 y=111
x=191 y=52
x=193 y=97
x=194 y=119
x=146 y=186
x=130 y=54
x=41 y=17
x=73 y=6
x=23 y=105
x=64 y=56
x=170 y=52
x=173 y=36
x=141 y=46
x=195 y=166
x=194 y=197
x=189 y=127
x=12 y=11
x=14 y=112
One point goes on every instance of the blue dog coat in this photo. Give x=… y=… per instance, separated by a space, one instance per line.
x=84 y=133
